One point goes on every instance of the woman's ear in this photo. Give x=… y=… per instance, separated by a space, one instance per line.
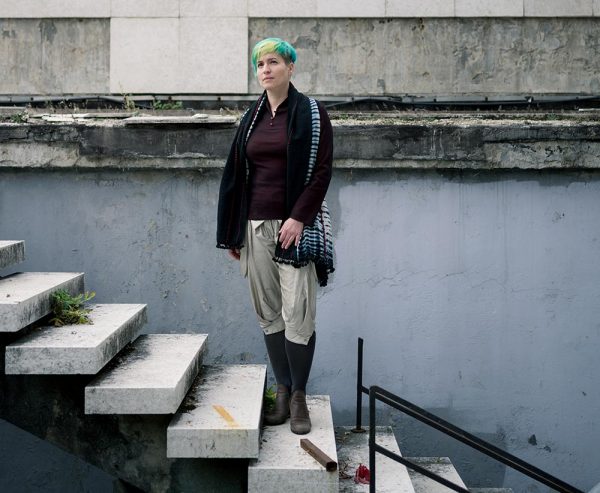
x=291 y=68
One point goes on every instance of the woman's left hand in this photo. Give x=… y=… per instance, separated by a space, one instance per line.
x=290 y=233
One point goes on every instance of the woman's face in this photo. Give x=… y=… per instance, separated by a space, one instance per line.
x=272 y=72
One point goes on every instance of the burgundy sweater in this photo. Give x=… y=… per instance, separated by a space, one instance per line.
x=267 y=155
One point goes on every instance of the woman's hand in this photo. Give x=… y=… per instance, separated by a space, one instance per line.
x=235 y=253
x=290 y=233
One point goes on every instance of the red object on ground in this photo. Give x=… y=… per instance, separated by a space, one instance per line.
x=362 y=475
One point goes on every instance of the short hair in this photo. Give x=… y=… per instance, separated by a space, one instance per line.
x=273 y=45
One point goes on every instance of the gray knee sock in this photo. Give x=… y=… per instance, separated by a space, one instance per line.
x=300 y=360
x=277 y=355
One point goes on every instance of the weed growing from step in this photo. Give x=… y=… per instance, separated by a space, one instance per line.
x=69 y=309
x=269 y=398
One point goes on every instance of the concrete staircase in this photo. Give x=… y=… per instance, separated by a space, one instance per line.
x=145 y=409
x=141 y=407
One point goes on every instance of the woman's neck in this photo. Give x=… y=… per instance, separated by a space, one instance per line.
x=277 y=97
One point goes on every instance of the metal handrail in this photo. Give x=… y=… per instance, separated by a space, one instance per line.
x=376 y=393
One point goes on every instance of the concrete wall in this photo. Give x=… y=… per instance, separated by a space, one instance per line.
x=393 y=47
x=476 y=292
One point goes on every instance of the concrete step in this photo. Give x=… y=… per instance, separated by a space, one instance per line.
x=25 y=297
x=76 y=349
x=490 y=490
x=442 y=466
x=150 y=376
x=220 y=417
x=353 y=450
x=283 y=465
x=11 y=252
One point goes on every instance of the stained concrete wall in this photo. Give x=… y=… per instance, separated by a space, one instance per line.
x=476 y=292
x=394 y=48
x=440 y=56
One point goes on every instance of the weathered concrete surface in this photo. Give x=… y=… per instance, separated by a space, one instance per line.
x=220 y=417
x=284 y=466
x=336 y=56
x=131 y=448
x=442 y=466
x=490 y=490
x=76 y=349
x=11 y=252
x=402 y=140
x=54 y=56
x=26 y=296
x=151 y=376
x=440 y=56
x=353 y=450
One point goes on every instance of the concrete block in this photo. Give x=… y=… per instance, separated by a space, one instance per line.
x=442 y=466
x=25 y=297
x=351 y=8
x=144 y=55
x=206 y=70
x=144 y=8
x=558 y=8
x=11 y=252
x=44 y=9
x=210 y=8
x=353 y=450
x=488 y=8
x=284 y=8
x=596 y=7
x=54 y=56
x=284 y=466
x=220 y=417
x=420 y=8
x=151 y=376
x=76 y=349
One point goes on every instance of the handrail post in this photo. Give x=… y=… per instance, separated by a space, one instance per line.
x=372 y=427
x=359 y=388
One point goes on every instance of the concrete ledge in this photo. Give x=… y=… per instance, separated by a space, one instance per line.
x=283 y=465
x=403 y=142
x=25 y=297
x=76 y=349
x=151 y=376
x=220 y=417
x=11 y=252
x=442 y=466
x=353 y=450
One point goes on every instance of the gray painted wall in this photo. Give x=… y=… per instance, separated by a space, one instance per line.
x=476 y=292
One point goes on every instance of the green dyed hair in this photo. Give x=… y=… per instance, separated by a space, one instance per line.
x=273 y=45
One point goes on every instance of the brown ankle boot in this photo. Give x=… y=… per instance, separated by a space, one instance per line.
x=281 y=412
x=300 y=420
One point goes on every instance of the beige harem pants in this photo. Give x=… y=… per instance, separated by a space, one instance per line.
x=283 y=296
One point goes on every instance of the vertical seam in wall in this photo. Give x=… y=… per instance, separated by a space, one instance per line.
x=454 y=8
x=523 y=7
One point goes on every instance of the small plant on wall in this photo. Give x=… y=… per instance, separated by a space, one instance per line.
x=68 y=310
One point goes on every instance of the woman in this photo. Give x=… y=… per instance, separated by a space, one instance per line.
x=273 y=218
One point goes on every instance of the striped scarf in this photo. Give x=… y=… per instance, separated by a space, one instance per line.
x=316 y=242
